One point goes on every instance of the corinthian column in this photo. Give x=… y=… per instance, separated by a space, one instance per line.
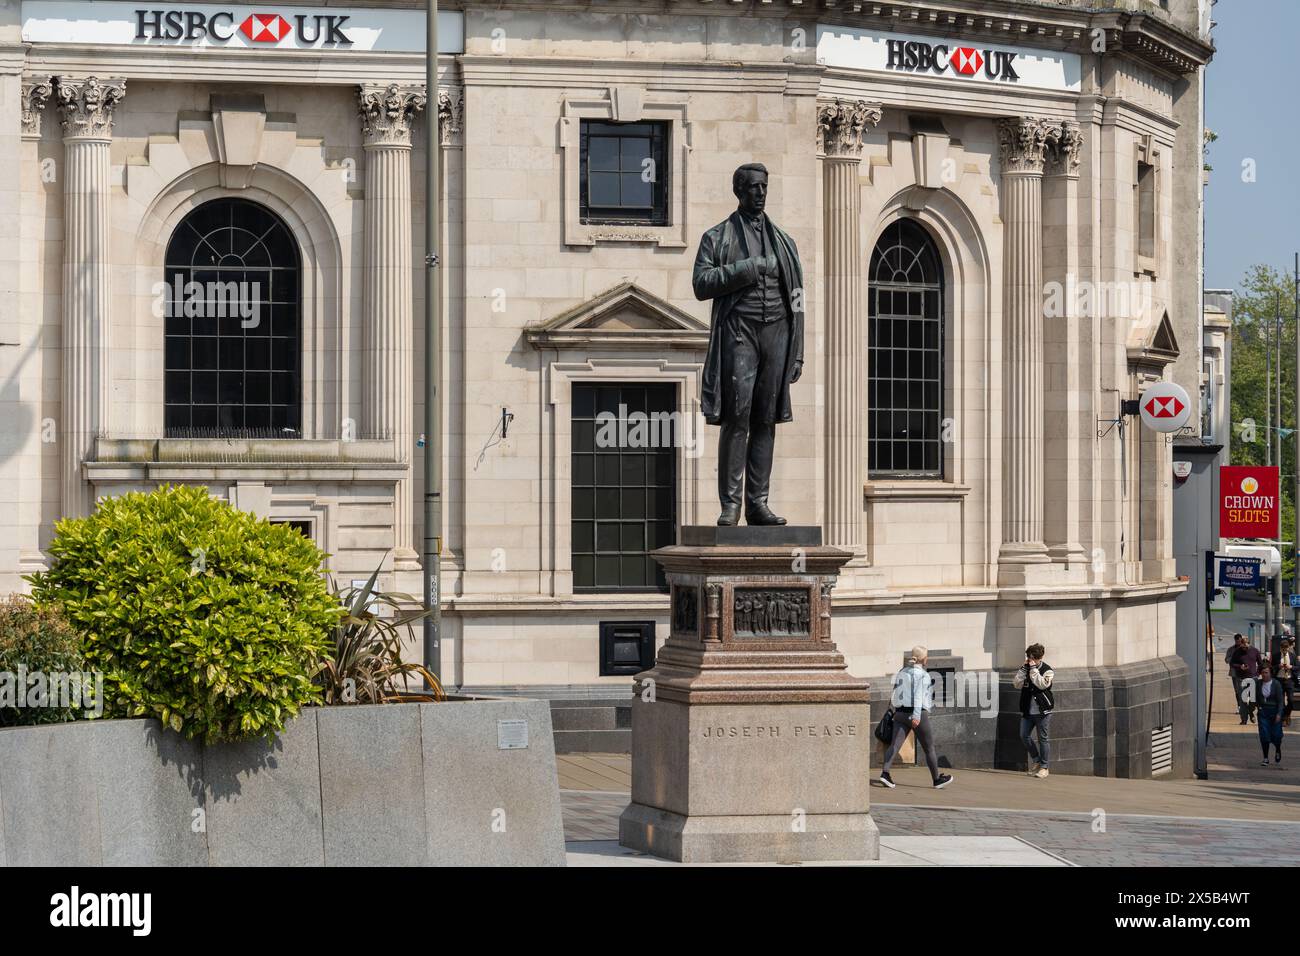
x=86 y=110
x=840 y=127
x=1022 y=142
x=388 y=333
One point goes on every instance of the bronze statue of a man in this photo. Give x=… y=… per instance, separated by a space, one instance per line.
x=751 y=271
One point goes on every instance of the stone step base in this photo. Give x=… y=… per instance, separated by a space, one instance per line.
x=749 y=839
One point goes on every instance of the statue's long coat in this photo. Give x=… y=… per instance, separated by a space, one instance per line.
x=722 y=273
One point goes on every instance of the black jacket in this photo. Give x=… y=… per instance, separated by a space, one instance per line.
x=1028 y=692
x=1274 y=700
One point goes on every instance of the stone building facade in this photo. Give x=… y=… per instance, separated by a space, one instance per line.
x=997 y=205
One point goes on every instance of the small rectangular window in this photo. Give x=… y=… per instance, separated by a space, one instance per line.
x=623 y=176
x=1144 y=211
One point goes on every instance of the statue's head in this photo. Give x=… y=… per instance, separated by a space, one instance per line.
x=749 y=183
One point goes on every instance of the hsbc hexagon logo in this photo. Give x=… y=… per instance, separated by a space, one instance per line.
x=1165 y=407
x=265 y=27
x=966 y=60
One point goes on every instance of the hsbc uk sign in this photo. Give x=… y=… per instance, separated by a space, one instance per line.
x=946 y=59
x=235 y=26
x=914 y=56
x=191 y=26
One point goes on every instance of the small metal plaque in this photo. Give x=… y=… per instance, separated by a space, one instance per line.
x=512 y=734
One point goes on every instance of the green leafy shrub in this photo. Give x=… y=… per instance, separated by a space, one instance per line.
x=199 y=614
x=35 y=641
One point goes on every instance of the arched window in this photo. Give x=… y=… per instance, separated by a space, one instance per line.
x=905 y=355
x=232 y=323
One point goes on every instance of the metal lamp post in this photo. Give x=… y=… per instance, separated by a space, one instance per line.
x=432 y=552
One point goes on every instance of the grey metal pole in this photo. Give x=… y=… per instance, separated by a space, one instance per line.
x=1277 y=398
x=432 y=357
x=1277 y=579
x=1295 y=496
x=1268 y=387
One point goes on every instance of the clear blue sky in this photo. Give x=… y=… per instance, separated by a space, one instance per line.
x=1252 y=97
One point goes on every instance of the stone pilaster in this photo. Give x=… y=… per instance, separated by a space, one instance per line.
x=86 y=111
x=36 y=91
x=1022 y=143
x=451 y=115
x=840 y=127
x=388 y=332
x=1067 y=413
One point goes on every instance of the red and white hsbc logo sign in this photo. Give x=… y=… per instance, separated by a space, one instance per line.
x=260 y=26
x=915 y=56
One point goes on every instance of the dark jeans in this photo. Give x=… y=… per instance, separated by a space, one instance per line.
x=1041 y=753
x=1288 y=689
x=1270 y=729
x=902 y=727
x=753 y=374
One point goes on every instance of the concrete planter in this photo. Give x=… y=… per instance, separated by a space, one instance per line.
x=395 y=784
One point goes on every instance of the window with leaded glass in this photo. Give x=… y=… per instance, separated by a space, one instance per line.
x=232 y=326
x=624 y=480
x=623 y=174
x=905 y=328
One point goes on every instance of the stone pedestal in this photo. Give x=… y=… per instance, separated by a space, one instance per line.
x=750 y=740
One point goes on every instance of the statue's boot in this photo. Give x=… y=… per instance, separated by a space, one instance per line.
x=730 y=516
x=760 y=513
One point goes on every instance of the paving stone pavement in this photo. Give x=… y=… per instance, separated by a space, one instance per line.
x=1127 y=839
x=1243 y=815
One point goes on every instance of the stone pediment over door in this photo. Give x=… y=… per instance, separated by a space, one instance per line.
x=1152 y=343
x=624 y=317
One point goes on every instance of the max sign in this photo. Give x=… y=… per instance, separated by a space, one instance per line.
x=915 y=56
x=1249 y=506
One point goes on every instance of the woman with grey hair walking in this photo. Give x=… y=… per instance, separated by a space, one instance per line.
x=913 y=699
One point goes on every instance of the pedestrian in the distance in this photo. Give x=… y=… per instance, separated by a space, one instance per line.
x=1243 y=662
x=913 y=699
x=1286 y=668
x=1034 y=680
x=1271 y=701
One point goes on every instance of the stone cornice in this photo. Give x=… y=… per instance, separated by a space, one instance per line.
x=36 y=91
x=387 y=113
x=86 y=105
x=841 y=126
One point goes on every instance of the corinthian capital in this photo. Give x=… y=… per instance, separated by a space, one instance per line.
x=1063 y=145
x=36 y=92
x=1022 y=143
x=86 y=105
x=387 y=112
x=451 y=113
x=840 y=126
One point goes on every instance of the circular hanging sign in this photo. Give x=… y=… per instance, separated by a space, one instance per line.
x=1165 y=407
